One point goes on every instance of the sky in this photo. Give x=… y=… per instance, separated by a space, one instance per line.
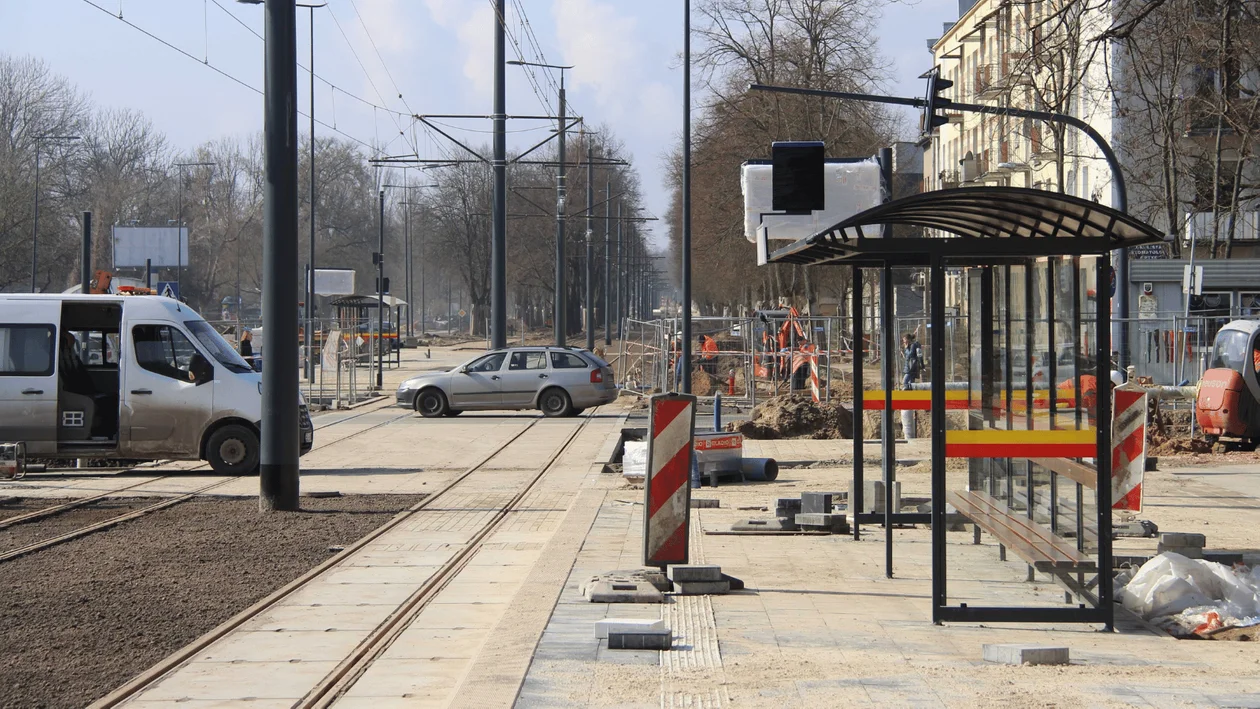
x=379 y=61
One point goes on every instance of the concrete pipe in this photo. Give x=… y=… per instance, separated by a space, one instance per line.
x=759 y=468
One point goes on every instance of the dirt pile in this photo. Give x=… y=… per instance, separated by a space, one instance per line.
x=1158 y=445
x=796 y=416
x=702 y=384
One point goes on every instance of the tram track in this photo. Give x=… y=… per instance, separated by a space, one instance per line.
x=379 y=639
x=48 y=512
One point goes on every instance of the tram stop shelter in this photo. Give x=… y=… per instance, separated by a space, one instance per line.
x=1019 y=361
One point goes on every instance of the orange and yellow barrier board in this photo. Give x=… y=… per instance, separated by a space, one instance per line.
x=916 y=400
x=991 y=443
x=873 y=400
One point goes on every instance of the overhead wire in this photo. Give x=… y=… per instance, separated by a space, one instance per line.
x=215 y=69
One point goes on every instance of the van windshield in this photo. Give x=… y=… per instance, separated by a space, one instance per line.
x=217 y=346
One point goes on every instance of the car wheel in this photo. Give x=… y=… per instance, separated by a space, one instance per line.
x=555 y=402
x=233 y=450
x=576 y=412
x=431 y=403
x=453 y=412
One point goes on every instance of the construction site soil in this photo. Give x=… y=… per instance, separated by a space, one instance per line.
x=78 y=619
x=796 y=416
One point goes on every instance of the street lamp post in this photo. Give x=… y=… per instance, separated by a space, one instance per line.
x=307 y=339
x=35 y=229
x=179 y=224
x=408 y=266
x=559 y=310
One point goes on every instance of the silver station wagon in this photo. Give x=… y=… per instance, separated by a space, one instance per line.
x=559 y=381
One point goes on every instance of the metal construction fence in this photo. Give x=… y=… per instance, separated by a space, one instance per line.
x=752 y=358
x=1172 y=349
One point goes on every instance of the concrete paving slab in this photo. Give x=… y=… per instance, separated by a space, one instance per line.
x=263 y=646
x=239 y=681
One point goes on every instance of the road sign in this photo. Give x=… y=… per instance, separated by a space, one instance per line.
x=462 y=313
x=1192 y=281
x=168 y=289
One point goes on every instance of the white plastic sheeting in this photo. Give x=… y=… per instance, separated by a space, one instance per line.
x=849 y=188
x=634 y=459
x=1181 y=593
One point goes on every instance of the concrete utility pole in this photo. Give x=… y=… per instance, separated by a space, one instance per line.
x=380 y=290
x=278 y=457
x=608 y=260
x=590 y=253
x=685 y=354
x=560 y=315
x=560 y=322
x=498 y=241
x=621 y=274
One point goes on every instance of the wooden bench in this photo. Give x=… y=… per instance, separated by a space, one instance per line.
x=1086 y=475
x=1033 y=542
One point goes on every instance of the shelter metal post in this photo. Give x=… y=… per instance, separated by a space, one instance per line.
x=1102 y=365
x=859 y=418
x=936 y=277
x=886 y=434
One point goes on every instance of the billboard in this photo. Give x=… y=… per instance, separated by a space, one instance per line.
x=163 y=245
x=849 y=187
x=334 y=281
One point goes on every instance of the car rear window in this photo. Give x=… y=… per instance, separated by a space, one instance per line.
x=567 y=360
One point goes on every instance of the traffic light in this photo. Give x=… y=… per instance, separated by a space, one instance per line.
x=382 y=285
x=930 y=119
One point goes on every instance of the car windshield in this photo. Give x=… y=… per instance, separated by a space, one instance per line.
x=217 y=346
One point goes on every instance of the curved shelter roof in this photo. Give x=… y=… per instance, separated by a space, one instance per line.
x=986 y=222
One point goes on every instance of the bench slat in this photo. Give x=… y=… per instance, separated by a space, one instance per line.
x=1032 y=541
x=1078 y=472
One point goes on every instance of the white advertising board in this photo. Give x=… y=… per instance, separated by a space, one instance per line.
x=334 y=281
x=850 y=187
x=163 y=245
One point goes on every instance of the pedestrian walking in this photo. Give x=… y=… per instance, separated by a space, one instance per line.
x=911 y=370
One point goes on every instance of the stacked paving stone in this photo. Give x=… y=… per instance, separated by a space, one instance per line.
x=1187 y=544
x=819 y=513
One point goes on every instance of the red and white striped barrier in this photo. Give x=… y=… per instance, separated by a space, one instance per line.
x=667 y=487
x=1128 y=447
x=813 y=377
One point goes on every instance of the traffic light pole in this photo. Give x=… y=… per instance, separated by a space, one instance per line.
x=1120 y=195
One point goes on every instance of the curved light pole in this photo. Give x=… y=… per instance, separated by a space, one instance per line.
x=35 y=229
x=179 y=225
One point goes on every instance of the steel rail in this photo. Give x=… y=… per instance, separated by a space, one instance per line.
x=155 y=673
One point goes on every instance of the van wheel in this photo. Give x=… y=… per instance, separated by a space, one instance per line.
x=233 y=450
x=555 y=402
x=431 y=403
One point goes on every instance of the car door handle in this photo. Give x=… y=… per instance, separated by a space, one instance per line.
x=141 y=391
x=32 y=391
x=542 y=376
x=494 y=377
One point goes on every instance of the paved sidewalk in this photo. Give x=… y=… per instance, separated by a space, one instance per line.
x=820 y=625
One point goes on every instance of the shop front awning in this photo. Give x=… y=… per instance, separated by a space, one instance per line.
x=981 y=223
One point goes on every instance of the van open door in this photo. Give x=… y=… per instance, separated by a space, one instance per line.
x=28 y=375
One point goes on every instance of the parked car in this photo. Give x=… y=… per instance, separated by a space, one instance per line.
x=559 y=381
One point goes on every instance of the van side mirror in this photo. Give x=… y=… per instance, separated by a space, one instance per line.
x=201 y=370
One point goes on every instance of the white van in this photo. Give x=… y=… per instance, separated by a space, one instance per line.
x=126 y=376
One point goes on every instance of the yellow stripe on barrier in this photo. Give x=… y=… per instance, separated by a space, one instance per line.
x=995 y=443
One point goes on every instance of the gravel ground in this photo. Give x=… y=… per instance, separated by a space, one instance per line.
x=81 y=618
x=37 y=530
